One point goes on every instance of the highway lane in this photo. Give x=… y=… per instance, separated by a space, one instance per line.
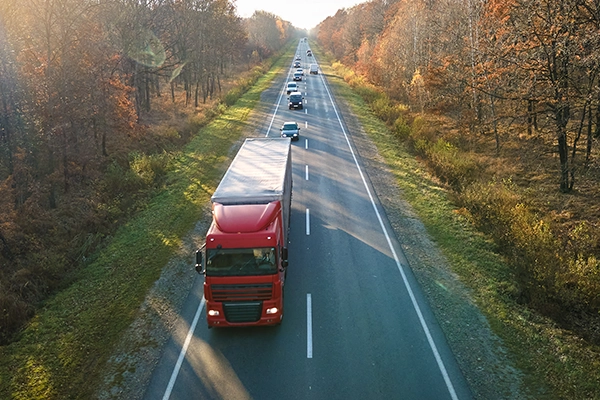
x=355 y=326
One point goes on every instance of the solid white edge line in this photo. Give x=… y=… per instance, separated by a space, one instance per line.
x=307 y=222
x=413 y=299
x=184 y=348
x=309 y=339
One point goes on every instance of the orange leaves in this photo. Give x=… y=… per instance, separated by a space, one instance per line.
x=500 y=9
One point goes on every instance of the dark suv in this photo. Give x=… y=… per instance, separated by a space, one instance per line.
x=296 y=101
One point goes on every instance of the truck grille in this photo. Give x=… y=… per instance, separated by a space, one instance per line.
x=243 y=312
x=244 y=292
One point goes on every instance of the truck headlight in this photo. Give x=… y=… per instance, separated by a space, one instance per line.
x=272 y=310
x=214 y=313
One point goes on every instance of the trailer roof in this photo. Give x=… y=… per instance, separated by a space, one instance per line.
x=256 y=174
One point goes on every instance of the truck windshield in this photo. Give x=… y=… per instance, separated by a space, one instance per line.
x=236 y=262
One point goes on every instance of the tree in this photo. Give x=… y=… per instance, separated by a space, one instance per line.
x=541 y=43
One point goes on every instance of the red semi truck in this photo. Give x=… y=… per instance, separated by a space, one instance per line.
x=244 y=259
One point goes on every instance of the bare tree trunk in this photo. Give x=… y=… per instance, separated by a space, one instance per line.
x=563 y=148
x=65 y=161
x=6 y=134
x=591 y=134
x=208 y=90
x=147 y=93
x=135 y=84
x=473 y=40
x=530 y=116
x=575 y=141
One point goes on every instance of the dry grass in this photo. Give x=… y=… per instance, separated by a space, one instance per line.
x=531 y=165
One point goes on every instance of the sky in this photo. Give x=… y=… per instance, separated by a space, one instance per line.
x=304 y=14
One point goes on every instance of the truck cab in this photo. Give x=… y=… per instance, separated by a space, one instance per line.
x=244 y=279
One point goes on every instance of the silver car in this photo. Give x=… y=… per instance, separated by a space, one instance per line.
x=292 y=87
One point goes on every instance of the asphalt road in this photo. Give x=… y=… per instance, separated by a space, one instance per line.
x=356 y=325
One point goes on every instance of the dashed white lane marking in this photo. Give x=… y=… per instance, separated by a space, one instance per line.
x=309 y=341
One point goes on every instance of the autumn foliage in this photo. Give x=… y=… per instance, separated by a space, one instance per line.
x=80 y=82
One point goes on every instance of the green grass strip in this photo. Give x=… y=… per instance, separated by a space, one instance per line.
x=62 y=353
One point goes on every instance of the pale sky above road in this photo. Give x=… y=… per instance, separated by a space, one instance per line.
x=304 y=14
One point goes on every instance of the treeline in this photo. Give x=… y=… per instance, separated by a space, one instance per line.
x=76 y=79
x=519 y=72
x=489 y=62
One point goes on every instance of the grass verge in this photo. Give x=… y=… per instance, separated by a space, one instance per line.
x=62 y=353
x=556 y=364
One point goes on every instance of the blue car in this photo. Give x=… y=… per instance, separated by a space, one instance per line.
x=291 y=130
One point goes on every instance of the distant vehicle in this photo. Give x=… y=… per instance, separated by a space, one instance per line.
x=298 y=58
x=296 y=101
x=298 y=76
x=297 y=64
x=300 y=70
x=314 y=69
x=291 y=130
x=309 y=52
x=292 y=87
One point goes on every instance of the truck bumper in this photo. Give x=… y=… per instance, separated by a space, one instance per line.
x=240 y=314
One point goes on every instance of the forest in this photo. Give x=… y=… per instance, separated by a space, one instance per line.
x=82 y=84
x=501 y=100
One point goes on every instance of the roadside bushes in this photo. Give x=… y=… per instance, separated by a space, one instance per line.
x=557 y=272
x=150 y=168
x=242 y=85
x=443 y=158
x=440 y=155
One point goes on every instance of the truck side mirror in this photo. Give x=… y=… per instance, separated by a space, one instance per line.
x=284 y=257
x=199 y=261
